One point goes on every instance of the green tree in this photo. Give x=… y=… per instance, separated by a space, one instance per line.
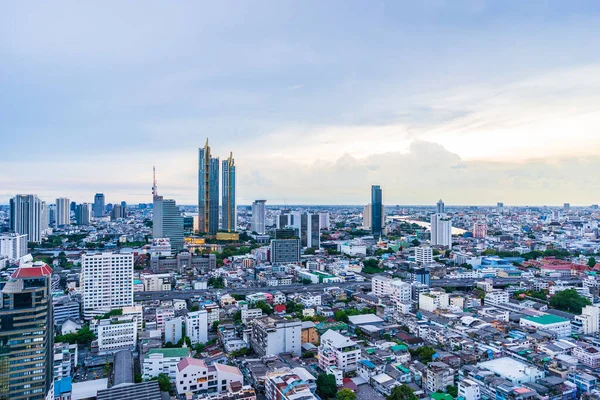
x=309 y=251
x=326 y=386
x=137 y=378
x=452 y=391
x=423 y=353
x=266 y=309
x=215 y=325
x=341 y=316
x=164 y=383
x=306 y=281
x=569 y=300
x=591 y=262
x=402 y=392
x=415 y=243
x=345 y=394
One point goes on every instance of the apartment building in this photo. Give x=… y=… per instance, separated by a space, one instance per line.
x=439 y=376
x=194 y=376
x=163 y=361
x=117 y=333
x=196 y=326
x=339 y=351
x=275 y=335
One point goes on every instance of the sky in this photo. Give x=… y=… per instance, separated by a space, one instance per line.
x=471 y=101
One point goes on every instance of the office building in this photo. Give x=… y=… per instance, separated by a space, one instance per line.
x=367 y=217
x=229 y=217
x=272 y=335
x=588 y=322
x=310 y=230
x=117 y=212
x=324 y=219
x=439 y=207
x=377 y=213
x=44 y=218
x=339 y=351
x=51 y=209
x=26 y=333
x=258 y=217
x=208 y=191
x=98 y=208
x=193 y=376
x=422 y=276
x=116 y=334
x=26 y=216
x=441 y=230
x=83 y=213
x=547 y=322
x=106 y=282
x=424 y=255
x=196 y=326
x=285 y=251
x=63 y=211
x=168 y=222
x=13 y=246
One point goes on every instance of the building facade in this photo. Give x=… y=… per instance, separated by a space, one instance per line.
x=98 y=207
x=168 y=222
x=229 y=217
x=377 y=214
x=339 y=351
x=26 y=333
x=196 y=326
x=63 y=211
x=285 y=251
x=275 y=335
x=258 y=216
x=26 y=216
x=106 y=282
x=208 y=191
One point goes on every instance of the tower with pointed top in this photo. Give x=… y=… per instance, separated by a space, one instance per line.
x=208 y=191
x=229 y=219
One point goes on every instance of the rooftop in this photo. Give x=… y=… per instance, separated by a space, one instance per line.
x=546 y=319
x=179 y=352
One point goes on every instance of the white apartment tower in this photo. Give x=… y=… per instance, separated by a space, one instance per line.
x=196 y=326
x=106 y=282
x=13 y=246
x=441 y=230
x=63 y=212
x=26 y=216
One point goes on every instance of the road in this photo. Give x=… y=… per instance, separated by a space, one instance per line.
x=187 y=294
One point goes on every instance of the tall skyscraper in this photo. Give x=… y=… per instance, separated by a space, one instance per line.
x=44 y=217
x=26 y=216
x=106 y=282
x=26 y=333
x=83 y=214
x=441 y=230
x=310 y=230
x=98 y=207
x=63 y=212
x=376 y=210
x=229 y=220
x=439 y=208
x=208 y=191
x=167 y=222
x=258 y=216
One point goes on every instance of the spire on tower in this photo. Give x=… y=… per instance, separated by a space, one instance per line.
x=154 y=187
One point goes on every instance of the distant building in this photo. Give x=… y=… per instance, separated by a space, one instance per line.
x=258 y=217
x=440 y=207
x=168 y=222
x=63 y=211
x=424 y=255
x=208 y=191
x=285 y=251
x=422 y=276
x=26 y=216
x=310 y=230
x=98 y=207
x=83 y=213
x=26 y=333
x=229 y=218
x=377 y=213
x=441 y=230
x=479 y=230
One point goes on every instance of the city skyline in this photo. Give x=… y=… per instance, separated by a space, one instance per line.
x=437 y=91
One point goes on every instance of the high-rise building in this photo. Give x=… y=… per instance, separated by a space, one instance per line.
x=168 y=222
x=72 y=206
x=106 y=282
x=63 y=212
x=310 y=230
x=424 y=255
x=26 y=333
x=208 y=191
x=258 y=216
x=441 y=230
x=25 y=216
x=98 y=207
x=229 y=218
x=44 y=217
x=440 y=208
x=83 y=214
x=274 y=335
x=377 y=213
x=285 y=251
x=51 y=214
x=324 y=217
x=117 y=212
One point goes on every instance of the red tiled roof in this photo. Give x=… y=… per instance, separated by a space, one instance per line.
x=187 y=361
x=36 y=271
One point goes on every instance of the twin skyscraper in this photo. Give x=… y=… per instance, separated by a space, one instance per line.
x=208 y=193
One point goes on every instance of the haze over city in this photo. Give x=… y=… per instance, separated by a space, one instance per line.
x=472 y=101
